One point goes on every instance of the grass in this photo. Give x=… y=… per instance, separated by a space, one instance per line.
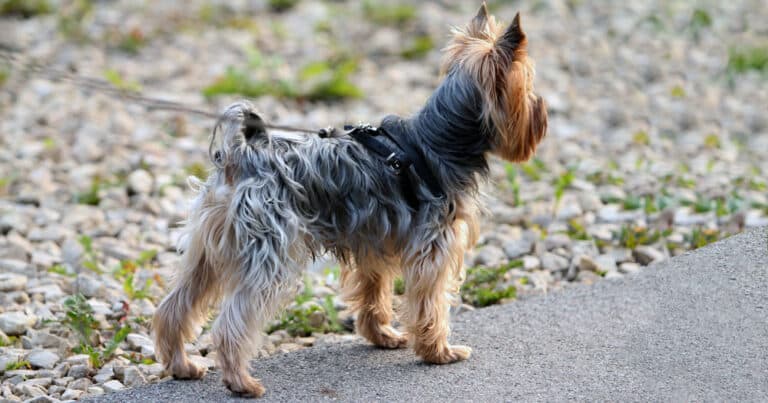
x=81 y=322
x=25 y=8
x=399 y=286
x=301 y=320
x=641 y=138
x=561 y=183
x=484 y=285
x=126 y=272
x=418 y=48
x=4 y=73
x=20 y=364
x=744 y=59
x=197 y=169
x=282 y=5
x=327 y=80
x=514 y=183
x=397 y=14
x=90 y=257
x=118 y=81
x=631 y=237
x=71 y=20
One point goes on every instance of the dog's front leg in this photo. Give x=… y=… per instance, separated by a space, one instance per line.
x=427 y=286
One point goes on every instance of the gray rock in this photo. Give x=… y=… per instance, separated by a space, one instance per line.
x=79 y=371
x=646 y=255
x=89 y=286
x=41 y=338
x=72 y=251
x=80 y=384
x=72 y=394
x=113 y=386
x=43 y=359
x=489 y=255
x=140 y=182
x=552 y=262
x=621 y=255
x=16 y=323
x=104 y=374
x=598 y=264
x=519 y=247
x=95 y=391
x=132 y=376
x=16 y=266
x=531 y=263
x=12 y=282
x=555 y=241
x=629 y=268
x=136 y=341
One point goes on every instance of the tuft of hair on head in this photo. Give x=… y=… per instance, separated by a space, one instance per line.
x=496 y=58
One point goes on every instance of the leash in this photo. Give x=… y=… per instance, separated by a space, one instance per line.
x=399 y=158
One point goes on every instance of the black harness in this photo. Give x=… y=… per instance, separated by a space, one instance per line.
x=399 y=158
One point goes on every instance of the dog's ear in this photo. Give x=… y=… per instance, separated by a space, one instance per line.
x=513 y=40
x=480 y=22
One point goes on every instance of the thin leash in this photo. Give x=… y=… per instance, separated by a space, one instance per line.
x=16 y=59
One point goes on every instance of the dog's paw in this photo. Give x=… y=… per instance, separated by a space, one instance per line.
x=449 y=355
x=187 y=370
x=245 y=386
x=388 y=337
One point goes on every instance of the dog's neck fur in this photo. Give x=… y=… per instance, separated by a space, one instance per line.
x=450 y=133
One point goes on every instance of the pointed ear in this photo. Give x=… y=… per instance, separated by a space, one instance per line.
x=481 y=19
x=513 y=37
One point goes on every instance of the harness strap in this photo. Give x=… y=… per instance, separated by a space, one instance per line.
x=400 y=160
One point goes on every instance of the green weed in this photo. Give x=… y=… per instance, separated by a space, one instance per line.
x=419 y=47
x=90 y=258
x=702 y=237
x=534 y=169
x=61 y=270
x=126 y=273
x=743 y=59
x=25 y=8
x=561 y=183
x=641 y=137
x=80 y=320
x=282 y=5
x=388 y=14
x=197 y=169
x=20 y=364
x=514 y=183
x=118 y=81
x=483 y=287
x=399 y=286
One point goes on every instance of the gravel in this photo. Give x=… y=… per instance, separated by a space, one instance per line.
x=654 y=149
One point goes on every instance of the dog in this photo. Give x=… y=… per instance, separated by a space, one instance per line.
x=274 y=201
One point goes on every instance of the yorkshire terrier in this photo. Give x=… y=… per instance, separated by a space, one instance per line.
x=276 y=200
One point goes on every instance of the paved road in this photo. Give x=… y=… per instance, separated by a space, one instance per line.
x=694 y=328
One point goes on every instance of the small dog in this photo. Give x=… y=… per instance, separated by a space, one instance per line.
x=275 y=201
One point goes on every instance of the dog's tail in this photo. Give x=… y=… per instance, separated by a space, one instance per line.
x=238 y=125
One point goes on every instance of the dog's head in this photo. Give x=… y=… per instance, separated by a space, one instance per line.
x=497 y=60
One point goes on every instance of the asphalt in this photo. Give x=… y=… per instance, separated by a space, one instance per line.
x=694 y=328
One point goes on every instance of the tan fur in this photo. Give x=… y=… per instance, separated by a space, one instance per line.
x=505 y=74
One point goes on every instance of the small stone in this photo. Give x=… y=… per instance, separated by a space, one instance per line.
x=89 y=286
x=599 y=264
x=136 y=341
x=113 y=386
x=95 y=391
x=43 y=359
x=531 y=263
x=12 y=282
x=16 y=266
x=104 y=375
x=78 y=359
x=306 y=341
x=157 y=369
x=289 y=347
x=79 y=371
x=519 y=247
x=621 y=255
x=647 y=254
x=552 y=262
x=80 y=384
x=629 y=268
x=613 y=275
x=555 y=241
x=41 y=338
x=204 y=362
x=16 y=323
x=132 y=376
x=489 y=255
x=317 y=319
x=72 y=394
x=140 y=182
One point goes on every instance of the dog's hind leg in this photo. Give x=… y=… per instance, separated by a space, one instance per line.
x=270 y=253
x=186 y=306
x=367 y=285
